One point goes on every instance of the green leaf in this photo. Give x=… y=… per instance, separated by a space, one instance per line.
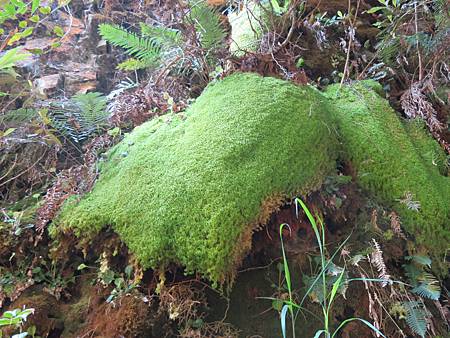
x=370 y=325
x=7 y=132
x=420 y=259
x=319 y=333
x=375 y=9
x=34 y=5
x=128 y=270
x=45 y=10
x=82 y=266
x=16 y=37
x=58 y=31
x=35 y=18
x=27 y=32
x=283 y=320
x=335 y=288
x=11 y=57
x=23 y=24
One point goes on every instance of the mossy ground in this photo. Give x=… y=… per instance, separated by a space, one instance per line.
x=189 y=190
x=186 y=191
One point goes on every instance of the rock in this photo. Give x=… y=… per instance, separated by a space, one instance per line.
x=47 y=85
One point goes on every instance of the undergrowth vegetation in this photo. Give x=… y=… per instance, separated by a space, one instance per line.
x=148 y=151
x=405 y=301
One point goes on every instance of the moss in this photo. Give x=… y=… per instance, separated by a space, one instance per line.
x=185 y=191
x=392 y=159
x=191 y=190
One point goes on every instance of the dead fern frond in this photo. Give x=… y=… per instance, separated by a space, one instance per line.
x=415 y=104
x=396 y=225
x=376 y=259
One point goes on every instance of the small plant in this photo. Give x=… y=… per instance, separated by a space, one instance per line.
x=17 y=318
x=122 y=283
x=328 y=290
x=56 y=283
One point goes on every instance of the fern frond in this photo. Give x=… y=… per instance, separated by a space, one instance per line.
x=416 y=317
x=206 y=21
x=64 y=118
x=388 y=50
x=431 y=291
x=144 y=49
x=20 y=115
x=420 y=259
x=133 y=64
x=80 y=117
x=92 y=110
x=426 y=285
x=376 y=258
x=163 y=36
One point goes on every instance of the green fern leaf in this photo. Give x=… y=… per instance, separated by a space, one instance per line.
x=93 y=112
x=207 y=24
x=416 y=317
x=162 y=36
x=80 y=117
x=18 y=116
x=420 y=259
x=388 y=50
x=430 y=291
x=144 y=49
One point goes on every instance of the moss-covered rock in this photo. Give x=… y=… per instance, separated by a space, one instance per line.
x=191 y=191
x=396 y=161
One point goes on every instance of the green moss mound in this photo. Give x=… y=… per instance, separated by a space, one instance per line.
x=190 y=191
x=393 y=159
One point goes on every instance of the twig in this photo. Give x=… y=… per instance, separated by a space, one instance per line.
x=23 y=172
x=417 y=41
x=350 y=39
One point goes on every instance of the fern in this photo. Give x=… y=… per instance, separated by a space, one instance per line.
x=427 y=286
x=208 y=26
x=163 y=36
x=144 y=49
x=424 y=283
x=18 y=116
x=420 y=259
x=426 y=290
x=416 y=317
x=79 y=118
x=93 y=109
x=388 y=49
x=133 y=64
